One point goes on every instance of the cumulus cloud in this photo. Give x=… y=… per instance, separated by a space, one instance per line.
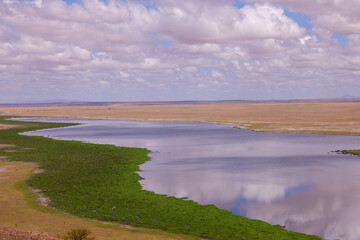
x=216 y=74
x=224 y=24
x=169 y=42
x=338 y=16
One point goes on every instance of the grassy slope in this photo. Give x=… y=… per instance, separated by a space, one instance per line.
x=99 y=181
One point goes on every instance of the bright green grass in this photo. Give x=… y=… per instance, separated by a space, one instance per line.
x=100 y=181
x=352 y=152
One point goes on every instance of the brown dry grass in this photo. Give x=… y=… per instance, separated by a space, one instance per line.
x=6 y=146
x=336 y=118
x=19 y=209
x=6 y=126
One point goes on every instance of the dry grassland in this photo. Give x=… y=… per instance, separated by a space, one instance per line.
x=332 y=118
x=5 y=126
x=19 y=209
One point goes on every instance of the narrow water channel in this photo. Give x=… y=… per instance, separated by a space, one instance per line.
x=294 y=180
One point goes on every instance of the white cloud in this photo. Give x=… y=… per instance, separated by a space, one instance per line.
x=151 y=62
x=190 y=69
x=103 y=83
x=123 y=74
x=224 y=24
x=254 y=46
x=216 y=74
x=205 y=48
x=338 y=16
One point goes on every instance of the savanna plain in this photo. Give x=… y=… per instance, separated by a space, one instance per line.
x=35 y=172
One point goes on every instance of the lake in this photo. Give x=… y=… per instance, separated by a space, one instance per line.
x=294 y=180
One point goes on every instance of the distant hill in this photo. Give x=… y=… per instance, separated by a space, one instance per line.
x=346 y=98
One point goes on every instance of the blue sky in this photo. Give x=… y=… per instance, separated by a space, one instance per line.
x=72 y=1
x=301 y=19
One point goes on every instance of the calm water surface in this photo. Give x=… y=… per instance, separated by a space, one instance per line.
x=289 y=179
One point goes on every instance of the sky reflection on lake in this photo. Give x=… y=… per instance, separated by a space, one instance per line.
x=289 y=179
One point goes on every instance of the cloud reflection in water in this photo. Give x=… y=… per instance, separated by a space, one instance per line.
x=286 y=179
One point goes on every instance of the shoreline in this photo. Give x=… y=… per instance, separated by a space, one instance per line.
x=179 y=209
x=324 y=118
x=23 y=211
x=32 y=216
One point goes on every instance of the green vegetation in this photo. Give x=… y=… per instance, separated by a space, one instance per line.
x=352 y=152
x=78 y=234
x=100 y=181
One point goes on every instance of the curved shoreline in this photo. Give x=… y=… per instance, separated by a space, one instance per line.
x=22 y=210
x=324 y=118
x=151 y=210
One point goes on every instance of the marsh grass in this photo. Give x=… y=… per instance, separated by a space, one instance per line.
x=100 y=182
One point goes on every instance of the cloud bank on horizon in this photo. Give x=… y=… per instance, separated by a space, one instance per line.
x=134 y=50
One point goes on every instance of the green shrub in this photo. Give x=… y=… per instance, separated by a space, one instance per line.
x=78 y=234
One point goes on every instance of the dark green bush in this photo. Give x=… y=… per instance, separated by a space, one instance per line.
x=78 y=234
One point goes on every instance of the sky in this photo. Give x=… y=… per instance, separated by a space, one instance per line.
x=168 y=50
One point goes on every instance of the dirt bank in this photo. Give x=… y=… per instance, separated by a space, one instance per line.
x=20 y=210
x=335 y=118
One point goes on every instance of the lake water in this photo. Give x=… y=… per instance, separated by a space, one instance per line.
x=294 y=180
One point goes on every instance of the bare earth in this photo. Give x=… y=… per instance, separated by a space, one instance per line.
x=21 y=216
x=13 y=234
x=6 y=146
x=331 y=118
x=5 y=126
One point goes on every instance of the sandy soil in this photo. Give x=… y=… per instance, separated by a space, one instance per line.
x=6 y=146
x=336 y=118
x=20 y=211
x=5 y=126
x=13 y=234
